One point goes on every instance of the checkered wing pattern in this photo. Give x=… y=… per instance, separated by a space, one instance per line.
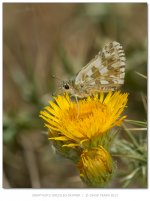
x=105 y=72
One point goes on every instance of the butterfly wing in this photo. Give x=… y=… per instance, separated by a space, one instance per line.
x=106 y=71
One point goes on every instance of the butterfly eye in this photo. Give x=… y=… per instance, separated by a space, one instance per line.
x=66 y=86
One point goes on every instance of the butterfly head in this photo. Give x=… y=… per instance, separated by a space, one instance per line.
x=67 y=86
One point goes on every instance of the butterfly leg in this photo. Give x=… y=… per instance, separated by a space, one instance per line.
x=78 y=107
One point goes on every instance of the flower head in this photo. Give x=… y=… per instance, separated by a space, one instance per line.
x=96 y=167
x=78 y=123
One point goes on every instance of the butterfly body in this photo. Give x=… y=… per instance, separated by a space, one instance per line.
x=105 y=73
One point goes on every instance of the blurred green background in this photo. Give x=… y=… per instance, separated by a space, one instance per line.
x=45 y=39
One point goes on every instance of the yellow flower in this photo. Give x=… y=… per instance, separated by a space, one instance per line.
x=96 y=167
x=79 y=123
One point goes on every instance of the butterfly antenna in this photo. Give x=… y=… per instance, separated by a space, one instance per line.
x=57 y=80
x=54 y=77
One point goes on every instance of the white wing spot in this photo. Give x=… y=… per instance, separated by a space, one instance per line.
x=115 y=65
x=92 y=83
x=123 y=59
x=104 y=82
x=121 y=54
x=122 y=75
x=97 y=63
x=115 y=81
x=122 y=70
x=89 y=72
x=112 y=76
x=103 y=70
x=116 y=43
x=120 y=81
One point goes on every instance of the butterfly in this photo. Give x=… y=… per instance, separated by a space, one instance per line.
x=105 y=73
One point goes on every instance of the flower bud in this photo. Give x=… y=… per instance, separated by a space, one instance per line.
x=96 y=167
